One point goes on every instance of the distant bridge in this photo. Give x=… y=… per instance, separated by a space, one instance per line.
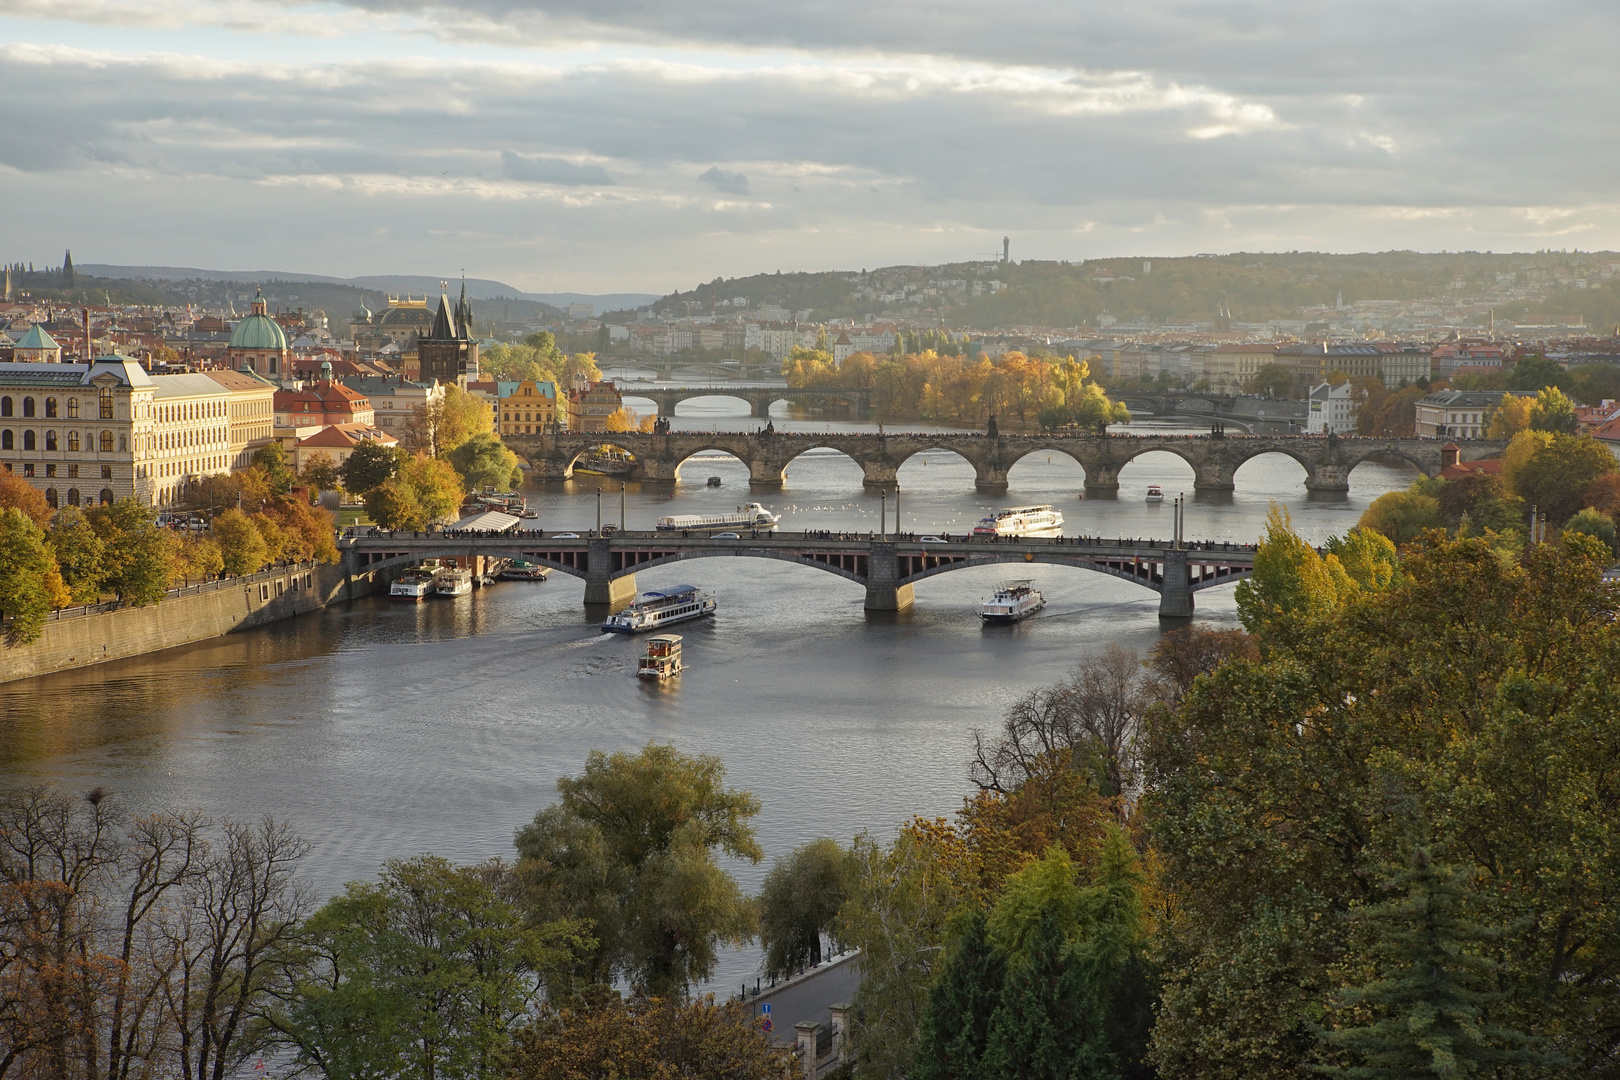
x=1215 y=460
x=887 y=568
x=1170 y=403
x=759 y=398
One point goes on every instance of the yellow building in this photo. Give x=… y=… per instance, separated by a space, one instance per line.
x=526 y=408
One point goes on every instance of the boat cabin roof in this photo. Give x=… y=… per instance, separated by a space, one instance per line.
x=665 y=639
x=671 y=592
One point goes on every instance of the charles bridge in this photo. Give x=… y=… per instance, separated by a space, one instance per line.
x=759 y=398
x=885 y=566
x=1215 y=458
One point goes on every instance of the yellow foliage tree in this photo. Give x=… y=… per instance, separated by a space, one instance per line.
x=1511 y=417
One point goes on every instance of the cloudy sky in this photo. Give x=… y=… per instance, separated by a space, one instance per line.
x=598 y=145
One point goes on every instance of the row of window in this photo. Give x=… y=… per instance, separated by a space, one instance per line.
x=50 y=470
x=8 y=407
x=74 y=498
x=8 y=441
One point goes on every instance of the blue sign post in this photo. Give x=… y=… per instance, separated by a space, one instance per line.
x=765 y=1024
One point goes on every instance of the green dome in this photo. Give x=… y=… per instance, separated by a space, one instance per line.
x=258 y=332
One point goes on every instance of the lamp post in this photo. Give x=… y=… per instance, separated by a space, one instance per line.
x=883 y=514
x=621 y=505
x=599 y=510
x=897 y=509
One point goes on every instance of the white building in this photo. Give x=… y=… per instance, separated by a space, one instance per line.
x=1331 y=410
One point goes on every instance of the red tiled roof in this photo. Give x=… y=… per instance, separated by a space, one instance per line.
x=1488 y=466
x=346 y=436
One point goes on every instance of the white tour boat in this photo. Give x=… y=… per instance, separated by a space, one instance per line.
x=752 y=516
x=1040 y=520
x=453 y=581
x=415 y=584
x=523 y=570
x=1155 y=493
x=655 y=609
x=662 y=660
x=1014 y=600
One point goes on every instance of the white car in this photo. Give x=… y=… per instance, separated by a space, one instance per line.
x=727 y=536
x=565 y=536
x=930 y=540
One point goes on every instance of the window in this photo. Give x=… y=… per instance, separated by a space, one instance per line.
x=28 y=406
x=50 y=498
x=73 y=474
x=106 y=497
x=106 y=472
x=73 y=496
x=106 y=442
x=5 y=406
x=123 y=443
x=50 y=440
x=73 y=441
x=8 y=441
x=28 y=440
x=28 y=469
x=50 y=470
x=106 y=404
x=73 y=410
x=50 y=408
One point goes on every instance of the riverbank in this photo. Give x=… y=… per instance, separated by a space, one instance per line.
x=95 y=634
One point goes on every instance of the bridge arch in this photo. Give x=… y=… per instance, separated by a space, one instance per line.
x=1144 y=579
x=832 y=450
x=738 y=450
x=740 y=553
x=1387 y=451
x=411 y=558
x=746 y=403
x=1296 y=459
x=607 y=441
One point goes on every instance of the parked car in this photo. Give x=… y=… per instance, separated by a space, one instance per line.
x=930 y=540
x=727 y=536
x=565 y=536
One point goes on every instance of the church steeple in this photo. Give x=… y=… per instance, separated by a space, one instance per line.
x=444 y=323
x=464 y=313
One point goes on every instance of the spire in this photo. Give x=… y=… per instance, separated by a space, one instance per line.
x=67 y=270
x=444 y=323
x=464 y=312
x=258 y=302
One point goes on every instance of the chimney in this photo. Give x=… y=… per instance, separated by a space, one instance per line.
x=89 y=350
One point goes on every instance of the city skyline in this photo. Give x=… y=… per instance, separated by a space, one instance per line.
x=628 y=149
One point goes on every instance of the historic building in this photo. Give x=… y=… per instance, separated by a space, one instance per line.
x=526 y=408
x=258 y=343
x=403 y=321
x=590 y=405
x=253 y=412
x=81 y=433
x=190 y=433
x=37 y=347
x=447 y=352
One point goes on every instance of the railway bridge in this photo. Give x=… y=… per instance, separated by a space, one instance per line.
x=1215 y=459
x=886 y=567
x=759 y=398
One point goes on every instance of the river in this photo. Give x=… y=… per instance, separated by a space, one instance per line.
x=382 y=730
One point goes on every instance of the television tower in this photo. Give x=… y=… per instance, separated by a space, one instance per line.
x=1006 y=245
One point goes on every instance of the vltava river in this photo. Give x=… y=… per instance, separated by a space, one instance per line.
x=383 y=730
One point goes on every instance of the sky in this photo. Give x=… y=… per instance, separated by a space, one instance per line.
x=649 y=145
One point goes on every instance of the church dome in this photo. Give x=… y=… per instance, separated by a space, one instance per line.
x=405 y=317
x=258 y=330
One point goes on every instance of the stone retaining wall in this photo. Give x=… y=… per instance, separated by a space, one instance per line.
x=219 y=608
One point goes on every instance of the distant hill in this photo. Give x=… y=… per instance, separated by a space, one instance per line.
x=1253 y=287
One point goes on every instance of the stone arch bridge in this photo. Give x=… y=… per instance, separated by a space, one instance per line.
x=1215 y=459
x=886 y=568
x=759 y=398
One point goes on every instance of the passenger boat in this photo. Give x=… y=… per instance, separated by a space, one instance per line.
x=523 y=570
x=752 y=516
x=662 y=660
x=606 y=461
x=1155 y=493
x=453 y=581
x=1040 y=520
x=1014 y=600
x=415 y=584
x=663 y=608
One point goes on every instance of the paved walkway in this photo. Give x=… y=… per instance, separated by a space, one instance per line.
x=808 y=996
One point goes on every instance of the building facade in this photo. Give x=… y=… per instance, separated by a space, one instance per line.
x=590 y=406
x=1458 y=414
x=80 y=433
x=190 y=435
x=447 y=353
x=1332 y=410
x=258 y=343
x=253 y=412
x=526 y=408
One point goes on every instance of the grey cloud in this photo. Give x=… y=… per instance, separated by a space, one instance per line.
x=550 y=170
x=723 y=180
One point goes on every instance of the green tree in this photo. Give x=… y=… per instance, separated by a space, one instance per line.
x=1272 y=381
x=956 y=1023
x=631 y=847
x=1369 y=558
x=1483 y=500
x=1289 y=577
x=1556 y=477
x=321 y=473
x=136 y=554
x=1534 y=372
x=1049 y=1023
x=370 y=464
x=434 y=484
x=392 y=505
x=79 y=554
x=484 y=461
x=441 y=425
x=799 y=903
x=1596 y=524
x=1553 y=411
x=1431 y=983
x=25 y=567
x=242 y=549
x=1401 y=515
x=271 y=458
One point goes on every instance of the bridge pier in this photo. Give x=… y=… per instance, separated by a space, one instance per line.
x=1102 y=479
x=766 y=472
x=880 y=473
x=883 y=589
x=989 y=476
x=1175 y=593
x=759 y=406
x=601 y=587
x=1214 y=476
x=656 y=470
x=1328 y=479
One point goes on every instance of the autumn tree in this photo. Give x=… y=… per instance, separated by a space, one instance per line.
x=1513 y=415
x=370 y=464
x=271 y=460
x=444 y=423
x=79 y=554
x=30 y=586
x=241 y=545
x=322 y=473
x=1401 y=515
x=799 y=904
x=1557 y=475
x=1553 y=411
x=136 y=554
x=18 y=494
x=484 y=462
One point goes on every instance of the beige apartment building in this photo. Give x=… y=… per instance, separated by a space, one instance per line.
x=80 y=433
x=253 y=412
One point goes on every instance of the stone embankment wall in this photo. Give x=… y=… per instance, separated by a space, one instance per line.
x=194 y=613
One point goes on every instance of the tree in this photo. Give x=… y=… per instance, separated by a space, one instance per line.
x=1048 y=1025
x=484 y=462
x=1596 y=524
x=1556 y=477
x=322 y=473
x=197 y=557
x=1512 y=416
x=1523 y=446
x=435 y=485
x=26 y=569
x=242 y=548
x=1272 y=381
x=956 y=1023
x=136 y=554
x=1401 y=515
x=307 y=531
x=1368 y=557
x=273 y=535
x=370 y=464
x=1289 y=577
x=623 y=419
x=1534 y=372
x=1481 y=499
x=799 y=903
x=79 y=554
x=440 y=425
x=1553 y=411
x=17 y=493
x=393 y=505
x=631 y=846
x=273 y=461
x=1430 y=985
x=613 y=1038
x=1603 y=494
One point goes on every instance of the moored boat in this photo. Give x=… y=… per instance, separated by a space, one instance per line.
x=1155 y=493
x=606 y=461
x=453 y=581
x=1013 y=601
x=662 y=608
x=414 y=584
x=662 y=660
x=1041 y=520
x=751 y=516
x=523 y=570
